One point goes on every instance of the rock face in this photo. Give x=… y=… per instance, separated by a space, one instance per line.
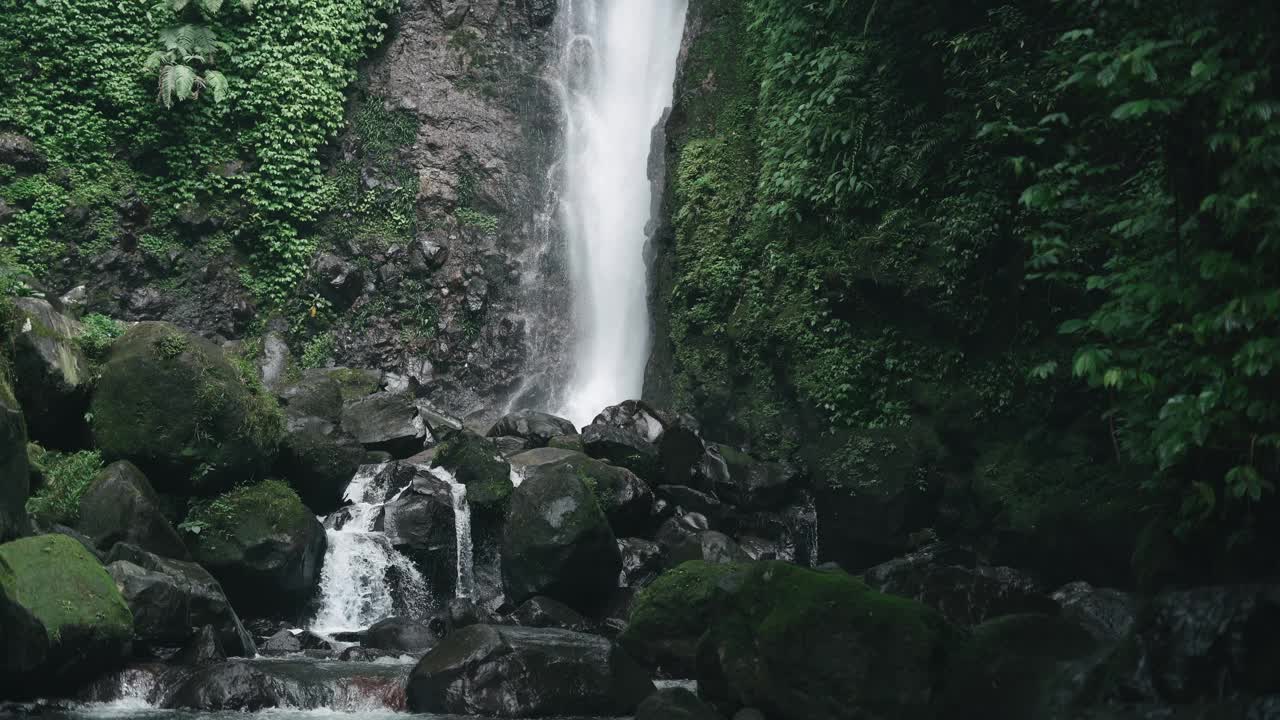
x=52 y=374
x=121 y=506
x=623 y=448
x=421 y=524
x=172 y=404
x=64 y=619
x=513 y=672
x=536 y=427
x=174 y=592
x=264 y=546
x=557 y=543
x=474 y=462
x=15 y=476
x=801 y=644
x=400 y=635
x=318 y=459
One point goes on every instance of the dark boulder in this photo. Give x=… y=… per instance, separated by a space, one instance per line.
x=318 y=393
x=21 y=152
x=513 y=672
x=748 y=483
x=634 y=416
x=680 y=449
x=421 y=525
x=625 y=499
x=318 y=459
x=669 y=617
x=338 y=281
x=950 y=580
x=641 y=561
x=295 y=684
x=161 y=610
x=264 y=546
x=708 y=545
x=282 y=643
x=545 y=612
x=169 y=402
x=1107 y=614
x=364 y=654
x=15 y=474
x=202 y=599
x=203 y=648
x=508 y=445
x=567 y=442
x=557 y=542
x=51 y=374
x=675 y=703
x=64 y=621
x=536 y=427
x=687 y=499
x=400 y=635
x=801 y=644
x=623 y=448
x=1202 y=645
x=120 y=506
x=386 y=421
x=675 y=530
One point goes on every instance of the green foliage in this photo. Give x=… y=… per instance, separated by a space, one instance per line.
x=468 y=217
x=268 y=506
x=71 y=81
x=172 y=345
x=99 y=334
x=66 y=478
x=318 y=352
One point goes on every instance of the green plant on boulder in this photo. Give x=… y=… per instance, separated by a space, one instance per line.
x=177 y=408
x=65 y=478
x=98 y=335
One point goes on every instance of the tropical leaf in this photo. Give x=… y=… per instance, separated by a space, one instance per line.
x=184 y=81
x=212 y=6
x=217 y=83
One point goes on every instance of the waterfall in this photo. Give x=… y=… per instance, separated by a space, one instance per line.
x=364 y=578
x=615 y=81
x=466 y=584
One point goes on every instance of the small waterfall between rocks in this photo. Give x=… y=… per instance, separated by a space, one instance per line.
x=466 y=584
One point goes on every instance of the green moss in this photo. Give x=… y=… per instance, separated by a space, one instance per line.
x=669 y=616
x=473 y=461
x=245 y=514
x=66 y=477
x=355 y=384
x=64 y=586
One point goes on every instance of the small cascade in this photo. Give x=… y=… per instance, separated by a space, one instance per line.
x=364 y=578
x=466 y=584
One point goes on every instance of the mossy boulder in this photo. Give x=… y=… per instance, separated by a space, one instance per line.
x=801 y=644
x=557 y=543
x=669 y=617
x=318 y=459
x=52 y=374
x=172 y=404
x=75 y=623
x=625 y=499
x=262 y=544
x=474 y=462
x=15 y=474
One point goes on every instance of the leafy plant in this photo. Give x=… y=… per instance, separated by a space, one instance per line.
x=182 y=67
x=66 y=478
x=99 y=334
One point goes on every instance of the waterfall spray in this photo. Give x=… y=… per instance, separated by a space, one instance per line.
x=617 y=71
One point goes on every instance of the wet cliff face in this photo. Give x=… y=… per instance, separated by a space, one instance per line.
x=440 y=296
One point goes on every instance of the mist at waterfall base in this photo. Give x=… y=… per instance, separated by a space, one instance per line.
x=616 y=76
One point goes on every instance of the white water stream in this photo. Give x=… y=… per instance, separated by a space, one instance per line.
x=616 y=74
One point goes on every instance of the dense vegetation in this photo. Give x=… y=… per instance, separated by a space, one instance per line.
x=1054 y=221
x=154 y=120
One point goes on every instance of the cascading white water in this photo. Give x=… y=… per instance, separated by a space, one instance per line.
x=466 y=583
x=616 y=73
x=359 y=563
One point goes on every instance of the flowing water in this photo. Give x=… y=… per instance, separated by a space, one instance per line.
x=615 y=79
x=364 y=579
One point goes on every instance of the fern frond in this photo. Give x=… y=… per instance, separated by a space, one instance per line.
x=157 y=59
x=164 y=89
x=247 y=5
x=212 y=6
x=184 y=81
x=217 y=83
x=179 y=5
x=170 y=37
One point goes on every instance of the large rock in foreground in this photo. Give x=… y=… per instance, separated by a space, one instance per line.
x=120 y=506
x=669 y=617
x=512 y=672
x=557 y=543
x=172 y=404
x=264 y=546
x=64 y=621
x=801 y=644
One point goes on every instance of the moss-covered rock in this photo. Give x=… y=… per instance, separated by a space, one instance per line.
x=172 y=404
x=15 y=474
x=669 y=617
x=557 y=543
x=262 y=544
x=85 y=622
x=474 y=461
x=120 y=506
x=625 y=499
x=802 y=644
x=318 y=459
x=52 y=374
